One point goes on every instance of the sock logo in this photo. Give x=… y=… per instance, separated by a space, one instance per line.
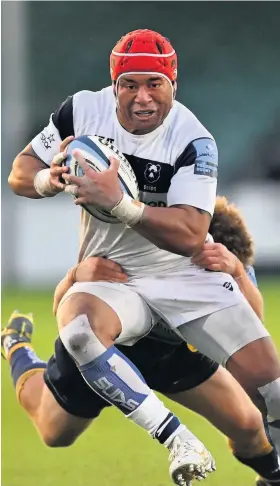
x=117 y=396
x=163 y=424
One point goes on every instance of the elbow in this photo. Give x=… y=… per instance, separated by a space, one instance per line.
x=14 y=184
x=186 y=245
x=194 y=244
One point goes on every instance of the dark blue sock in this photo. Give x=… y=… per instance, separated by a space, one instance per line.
x=266 y=466
x=22 y=360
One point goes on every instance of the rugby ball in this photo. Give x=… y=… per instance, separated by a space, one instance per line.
x=96 y=151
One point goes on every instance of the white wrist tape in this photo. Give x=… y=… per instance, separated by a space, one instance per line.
x=128 y=210
x=42 y=183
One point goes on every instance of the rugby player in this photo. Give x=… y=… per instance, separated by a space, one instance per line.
x=139 y=113
x=168 y=365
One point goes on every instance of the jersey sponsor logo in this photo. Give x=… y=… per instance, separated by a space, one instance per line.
x=205 y=168
x=228 y=286
x=157 y=204
x=153 y=199
x=110 y=391
x=152 y=172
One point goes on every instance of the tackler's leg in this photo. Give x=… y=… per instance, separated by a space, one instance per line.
x=56 y=427
x=236 y=338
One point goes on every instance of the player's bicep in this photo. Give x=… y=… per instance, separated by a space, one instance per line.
x=195 y=177
x=198 y=219
x=29 y=152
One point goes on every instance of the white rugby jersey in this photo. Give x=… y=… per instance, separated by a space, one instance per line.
x=174 y=164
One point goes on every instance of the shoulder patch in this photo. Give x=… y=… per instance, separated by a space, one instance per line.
x=206 y=158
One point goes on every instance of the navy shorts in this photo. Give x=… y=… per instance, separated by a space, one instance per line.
x=166 y=368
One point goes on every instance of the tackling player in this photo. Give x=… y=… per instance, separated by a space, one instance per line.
x=186 y=377
x=139 y=113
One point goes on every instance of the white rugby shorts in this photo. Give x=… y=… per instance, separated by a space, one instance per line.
x=178 y=297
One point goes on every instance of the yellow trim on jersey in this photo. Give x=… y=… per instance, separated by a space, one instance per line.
x=23 y=378
x=18 y=346
x=192 y=348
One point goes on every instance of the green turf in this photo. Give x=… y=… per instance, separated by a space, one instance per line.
x=113 y=451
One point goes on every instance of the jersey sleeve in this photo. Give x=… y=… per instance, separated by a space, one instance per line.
x=251 y=274
x=194 y=182
x=47 y=143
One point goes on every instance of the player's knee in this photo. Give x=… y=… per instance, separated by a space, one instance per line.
x=55 y=440
x=250 y=424
x=80 y=340
x=101 y=320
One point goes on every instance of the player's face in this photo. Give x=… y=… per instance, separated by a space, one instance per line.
x=144 y=102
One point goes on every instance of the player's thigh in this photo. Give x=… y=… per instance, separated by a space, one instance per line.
x=221 y=334
x=183 y=296
x=222 y=401
x=109 y=303
x=57 y=427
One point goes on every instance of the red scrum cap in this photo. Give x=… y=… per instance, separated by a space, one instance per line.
x=143 y=51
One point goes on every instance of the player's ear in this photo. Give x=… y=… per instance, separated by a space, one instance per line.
x=114 y=88
x=174 y=89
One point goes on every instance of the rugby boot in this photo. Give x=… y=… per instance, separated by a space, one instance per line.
x=189 y=460
x=18 y=332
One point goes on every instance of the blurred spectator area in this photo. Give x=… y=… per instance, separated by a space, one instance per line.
x=229 y=76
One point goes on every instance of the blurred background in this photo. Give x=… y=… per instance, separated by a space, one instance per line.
x=229 y=75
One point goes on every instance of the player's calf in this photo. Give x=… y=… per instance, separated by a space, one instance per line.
x=257 y=368
x=56 y=427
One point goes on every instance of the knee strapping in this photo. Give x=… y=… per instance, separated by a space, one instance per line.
x=271 y=396
x=80 y=341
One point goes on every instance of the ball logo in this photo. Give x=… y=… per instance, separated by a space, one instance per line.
x=152 y=172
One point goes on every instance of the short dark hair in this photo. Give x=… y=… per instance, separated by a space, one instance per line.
x=229 y=228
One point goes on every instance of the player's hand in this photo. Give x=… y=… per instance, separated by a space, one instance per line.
x=102 y=189
x=215 y=256
x=56 y=169
x=96 y=269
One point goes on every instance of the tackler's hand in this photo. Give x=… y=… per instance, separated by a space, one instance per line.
x=216 y=257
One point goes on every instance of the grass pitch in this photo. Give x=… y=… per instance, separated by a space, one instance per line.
x=112 y=451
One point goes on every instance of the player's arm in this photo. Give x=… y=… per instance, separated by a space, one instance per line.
x=248 y=285
x=25 y=167
x=182 y=227
x=93 y=269
x=216 y=257
x=178 y=229
x=36 y=170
